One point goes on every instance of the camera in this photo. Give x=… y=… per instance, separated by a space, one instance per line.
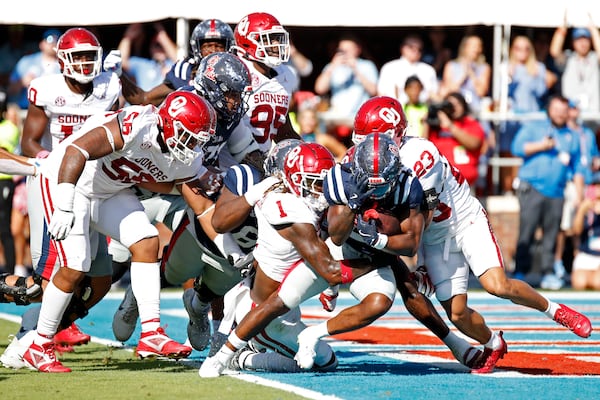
x=432 y=118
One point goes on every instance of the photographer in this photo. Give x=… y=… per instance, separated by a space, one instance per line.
x=457 y=135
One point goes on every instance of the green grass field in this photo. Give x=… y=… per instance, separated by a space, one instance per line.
x=102 y=372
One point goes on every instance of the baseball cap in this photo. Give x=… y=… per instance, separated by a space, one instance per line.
x=581 y=32
x=51 y=35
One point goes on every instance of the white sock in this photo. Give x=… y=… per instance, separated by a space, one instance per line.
x=458 y=346
x=269 y=361
x=494 y=343
x=552 y=308
x=53 y=307
x=145 y=283
x=318 y=331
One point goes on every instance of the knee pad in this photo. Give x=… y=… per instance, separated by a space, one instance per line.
x=21 y=294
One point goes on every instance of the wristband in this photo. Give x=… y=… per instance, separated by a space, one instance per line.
x=64 y=196
x=347 y=275
x=381 y=242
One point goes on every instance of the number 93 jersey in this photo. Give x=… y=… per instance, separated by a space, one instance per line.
x=442 y=184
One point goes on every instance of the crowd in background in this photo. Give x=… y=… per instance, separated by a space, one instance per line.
x=442 y=77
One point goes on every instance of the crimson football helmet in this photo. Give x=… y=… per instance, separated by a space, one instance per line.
x=224 y=80
x=186 y=121
x=208 y=31
x=260 y=37
x=305 y=167
x=381 y=114
x=274 y=162
x=79 y=55
x=377 y=157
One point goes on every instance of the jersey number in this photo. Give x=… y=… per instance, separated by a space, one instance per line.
x=263 y=117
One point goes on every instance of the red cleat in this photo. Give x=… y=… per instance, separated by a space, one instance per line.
x=71 y=336
x=491 y=357
x=576 y=322
x=157 y=343
x=42 y=358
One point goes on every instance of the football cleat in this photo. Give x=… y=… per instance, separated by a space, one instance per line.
x=211 y=368
x=472 y=358
x=125 y=319
x=13 y=355
x=491 y=357
x=42 y=358
x=307 y=349
x=198 y=328
x=158 y=344
x=71 y=336
x=576 y=322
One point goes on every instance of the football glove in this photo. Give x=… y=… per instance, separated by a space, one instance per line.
x=328 y=298
x=256 y=192
x=359 y=191
x=112 y=62
x=423 y=281
x=63 y=218
x=368 y=233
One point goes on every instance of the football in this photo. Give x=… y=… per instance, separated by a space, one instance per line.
x=386 y=224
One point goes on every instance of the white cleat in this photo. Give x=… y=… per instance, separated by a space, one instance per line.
x=307 y=345
x=13 y=355
x=211 y=368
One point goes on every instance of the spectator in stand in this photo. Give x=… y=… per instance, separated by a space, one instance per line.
x=414 y=109
x=590 y=161
x=394 y=73
x=350 y=80
x=551 y=156
x=457 y=135
x=529 y=82
x=468 y=73
x=301 y=65
x=309 y=131
x=586 y=225
x=580 y=79
x=15 y=46
x=541 y=46
x=31 y=66
x=147 y=72
x=438 y=53
x=9 y=141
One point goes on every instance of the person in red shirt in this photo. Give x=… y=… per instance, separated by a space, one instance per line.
x=457 y=135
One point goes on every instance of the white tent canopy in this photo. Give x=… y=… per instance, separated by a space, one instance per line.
x=534 y=13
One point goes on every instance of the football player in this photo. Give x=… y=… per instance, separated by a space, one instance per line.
x=84 y=185
x=59 y=104
x=459 y=238
x=263 y=44
x=287 y=240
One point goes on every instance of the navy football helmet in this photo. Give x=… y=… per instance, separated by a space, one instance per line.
x=377 y=157
x=224 y=80
x=275 y=159
x=208 y=31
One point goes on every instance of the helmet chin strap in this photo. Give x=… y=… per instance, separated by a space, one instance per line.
x=161 y=142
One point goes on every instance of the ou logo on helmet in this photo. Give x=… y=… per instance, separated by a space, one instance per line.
x=292 y=156
x=177 y=106
x=243 y=26
x=390 y=115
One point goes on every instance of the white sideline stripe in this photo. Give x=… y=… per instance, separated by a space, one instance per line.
x=309 y=394
x=444 y=363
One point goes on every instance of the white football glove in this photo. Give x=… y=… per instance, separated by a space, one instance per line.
x=112 y=62
x=256 y=192
x=328 y=298
x=424 y=284
x=63 y=218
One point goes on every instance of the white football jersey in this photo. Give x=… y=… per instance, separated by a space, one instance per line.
x=268 y=104
x=437 y=176
x=66 y=110
x=140 y=160
x=275 y=254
